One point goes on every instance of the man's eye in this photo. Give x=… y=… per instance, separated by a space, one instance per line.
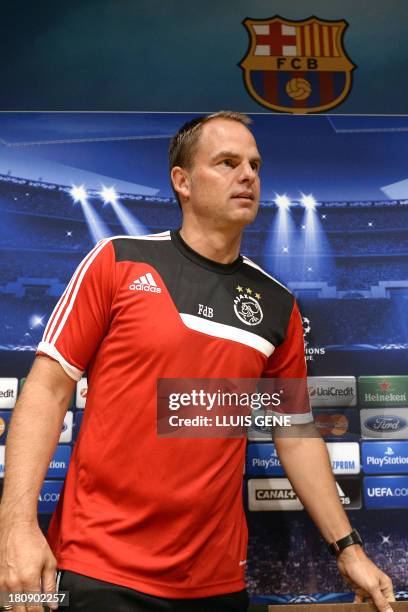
x=228 y=162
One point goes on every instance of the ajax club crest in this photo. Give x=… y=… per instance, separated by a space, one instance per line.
x=297 y=66
x=247 y=307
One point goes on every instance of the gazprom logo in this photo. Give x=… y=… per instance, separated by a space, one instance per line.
x=344 y=457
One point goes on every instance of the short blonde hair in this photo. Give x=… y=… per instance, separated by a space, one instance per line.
x=184 y=144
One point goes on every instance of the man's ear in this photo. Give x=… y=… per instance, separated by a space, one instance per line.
x=181 y=182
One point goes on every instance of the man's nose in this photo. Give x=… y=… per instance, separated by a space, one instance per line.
x=248 y=173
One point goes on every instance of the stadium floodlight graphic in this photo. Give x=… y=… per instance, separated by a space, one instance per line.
x=131 y=225
x=308 y=201
x=317 y=259
x=97 y=227
x=78 y=193
x=108 y=195
x=297 y=248
x=282 y=201
x=279 y=239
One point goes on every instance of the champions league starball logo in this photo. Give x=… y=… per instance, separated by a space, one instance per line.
x=247 y=307
x=310 y=351
x=303 y=599
x=306 y=327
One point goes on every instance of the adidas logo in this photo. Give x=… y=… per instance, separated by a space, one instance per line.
x=145 y=283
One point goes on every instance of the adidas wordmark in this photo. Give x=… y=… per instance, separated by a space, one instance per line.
x=145 y=283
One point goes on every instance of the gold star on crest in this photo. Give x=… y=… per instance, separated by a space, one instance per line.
x=249 y=291
x=240 y=289
x=258 y=296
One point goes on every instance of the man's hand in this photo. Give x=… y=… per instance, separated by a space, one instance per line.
x=26 y=562
x=365 y=578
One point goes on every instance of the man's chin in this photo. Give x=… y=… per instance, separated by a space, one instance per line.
x=244 y=216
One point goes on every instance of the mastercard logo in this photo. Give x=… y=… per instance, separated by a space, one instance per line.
x=332 y=424
x=2 y=426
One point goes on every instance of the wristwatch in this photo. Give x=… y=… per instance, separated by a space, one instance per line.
x=353 y=538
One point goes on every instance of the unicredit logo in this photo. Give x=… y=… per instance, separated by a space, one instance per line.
x=331 y=391
x=385 y=423
x=8 y=393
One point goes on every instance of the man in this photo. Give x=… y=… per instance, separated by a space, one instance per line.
x=150 y=523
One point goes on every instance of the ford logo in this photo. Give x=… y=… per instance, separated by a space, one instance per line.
x=382 y=422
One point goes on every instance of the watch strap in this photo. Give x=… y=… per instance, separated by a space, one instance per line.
x=352 y=538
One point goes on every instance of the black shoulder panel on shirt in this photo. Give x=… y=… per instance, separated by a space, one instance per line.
x=140 y=249
x=237 y=295
x=276 y=300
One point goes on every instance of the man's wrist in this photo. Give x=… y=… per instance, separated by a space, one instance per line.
x=354 y=551
x=10 y=514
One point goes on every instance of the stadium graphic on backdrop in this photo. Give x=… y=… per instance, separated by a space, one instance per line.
x=44 y=237
x=343 y=254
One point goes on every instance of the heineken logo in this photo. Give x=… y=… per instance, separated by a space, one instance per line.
x=383 y=390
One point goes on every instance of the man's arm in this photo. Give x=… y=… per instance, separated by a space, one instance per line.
x=26 y=561
x=306 y=462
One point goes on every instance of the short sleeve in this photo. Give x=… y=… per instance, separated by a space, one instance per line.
x=81 y=317
x=288 y=361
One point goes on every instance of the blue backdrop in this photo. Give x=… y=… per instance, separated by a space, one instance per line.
x=332 y=226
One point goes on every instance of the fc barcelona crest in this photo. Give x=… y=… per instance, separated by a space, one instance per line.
x=297 y=66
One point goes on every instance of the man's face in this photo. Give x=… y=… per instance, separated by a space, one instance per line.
x=224 y=181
